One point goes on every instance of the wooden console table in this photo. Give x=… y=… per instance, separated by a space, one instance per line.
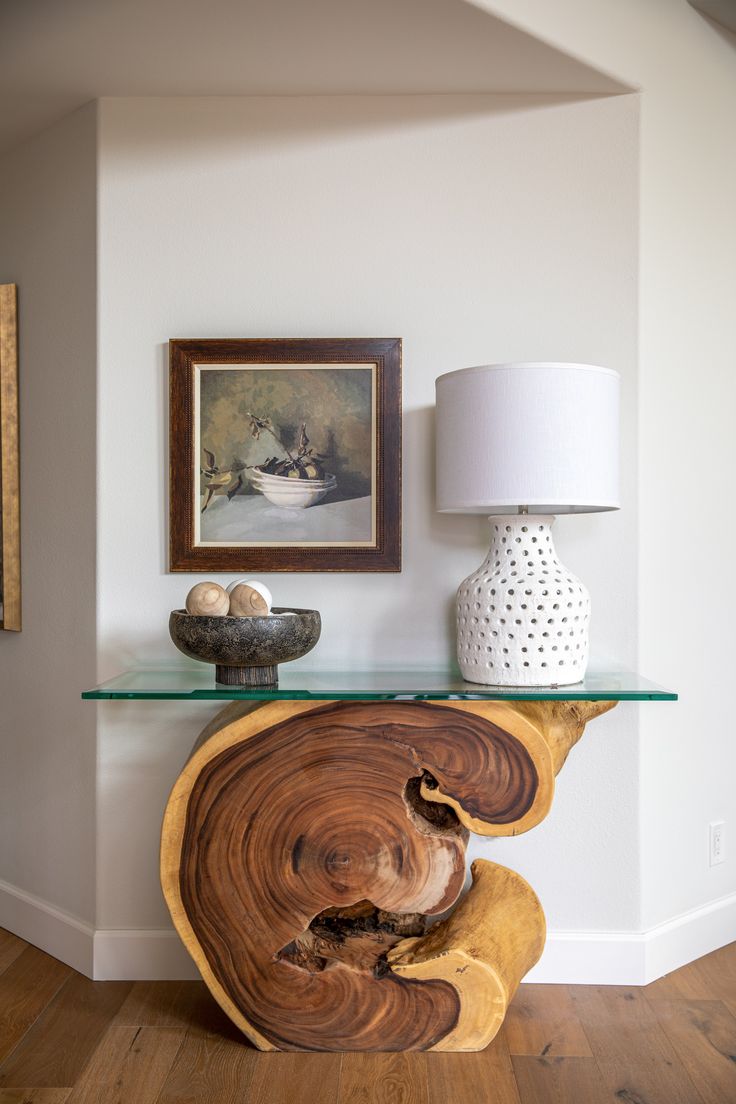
x=319 y=829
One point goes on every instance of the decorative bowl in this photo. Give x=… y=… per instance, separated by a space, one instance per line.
x=292 y=494
x=246 y=650
x=278 y=480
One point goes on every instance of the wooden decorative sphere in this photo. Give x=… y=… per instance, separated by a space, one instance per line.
x=208 y=600
x=247 y=601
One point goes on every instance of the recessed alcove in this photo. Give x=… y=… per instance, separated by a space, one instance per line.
x=419 y=169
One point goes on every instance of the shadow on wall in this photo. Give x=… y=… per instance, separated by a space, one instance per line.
x=727 y=33
x=465 y=531
x=142 y=749
x=446 y=534
x=256 y=125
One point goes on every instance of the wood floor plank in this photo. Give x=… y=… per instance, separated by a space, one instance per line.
x=718 y=971
x=542 y=1020
x=10 y=947
x=55 y=1050
x=34 y=1096
x=712 y=977
x=26 y=988
x=110 y=1053
x=151 y=1004
x=479 y=1077
x=129 y=1066
x=294 y=1078
x=559 y=1080
x=704 y=1035
x=168 y=1004
x=673 y=1042
x=636 y=1060
x=687 y=983
x=611 y=1005
x=383 y=1079
x=724 y=957
x=210 y=1068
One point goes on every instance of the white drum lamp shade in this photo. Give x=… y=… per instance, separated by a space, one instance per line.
x=523 y=442
x=544 y=436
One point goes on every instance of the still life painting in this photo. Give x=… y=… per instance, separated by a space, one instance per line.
x=280 y=448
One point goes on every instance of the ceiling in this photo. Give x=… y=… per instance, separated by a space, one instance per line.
x=56 y=55
x=722 y=11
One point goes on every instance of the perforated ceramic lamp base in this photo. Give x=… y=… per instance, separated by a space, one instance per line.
x=522 y=617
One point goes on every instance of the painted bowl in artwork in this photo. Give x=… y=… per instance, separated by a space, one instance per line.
x=292 y=494
x=246 y=650
x=268 y=478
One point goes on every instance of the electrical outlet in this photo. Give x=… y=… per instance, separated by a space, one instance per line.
x=717 y=842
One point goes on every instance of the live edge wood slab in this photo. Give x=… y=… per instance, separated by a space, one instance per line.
x=308 y=846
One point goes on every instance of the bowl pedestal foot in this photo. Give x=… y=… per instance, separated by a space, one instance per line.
x=247 y=676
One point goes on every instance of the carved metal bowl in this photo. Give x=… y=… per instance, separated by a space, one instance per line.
x=246 y=650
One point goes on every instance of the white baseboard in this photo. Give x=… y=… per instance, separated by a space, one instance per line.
x=636 y=958
x=149 y=955
x=689 y=936
x=105 y=955
x=55 y=931
x=573 y=958
x=591 y=958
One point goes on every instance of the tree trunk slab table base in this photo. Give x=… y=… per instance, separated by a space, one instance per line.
x=311 y=852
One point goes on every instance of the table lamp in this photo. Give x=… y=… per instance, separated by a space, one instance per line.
x=522 y=443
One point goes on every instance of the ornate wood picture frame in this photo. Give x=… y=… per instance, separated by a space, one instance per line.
x=285 y=454
x=10 y=606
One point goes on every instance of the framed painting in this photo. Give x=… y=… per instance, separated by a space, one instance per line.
x=285 y=454
x=10 y=617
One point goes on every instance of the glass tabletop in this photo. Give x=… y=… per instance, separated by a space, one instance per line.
x=197 y=683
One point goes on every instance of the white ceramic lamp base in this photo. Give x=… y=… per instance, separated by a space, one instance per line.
x=522 y=617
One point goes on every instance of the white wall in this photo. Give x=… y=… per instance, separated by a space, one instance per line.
x=686 y=67
x=47 y=735
x=476 y=228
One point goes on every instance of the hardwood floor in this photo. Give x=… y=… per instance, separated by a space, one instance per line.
x=67 y=1040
